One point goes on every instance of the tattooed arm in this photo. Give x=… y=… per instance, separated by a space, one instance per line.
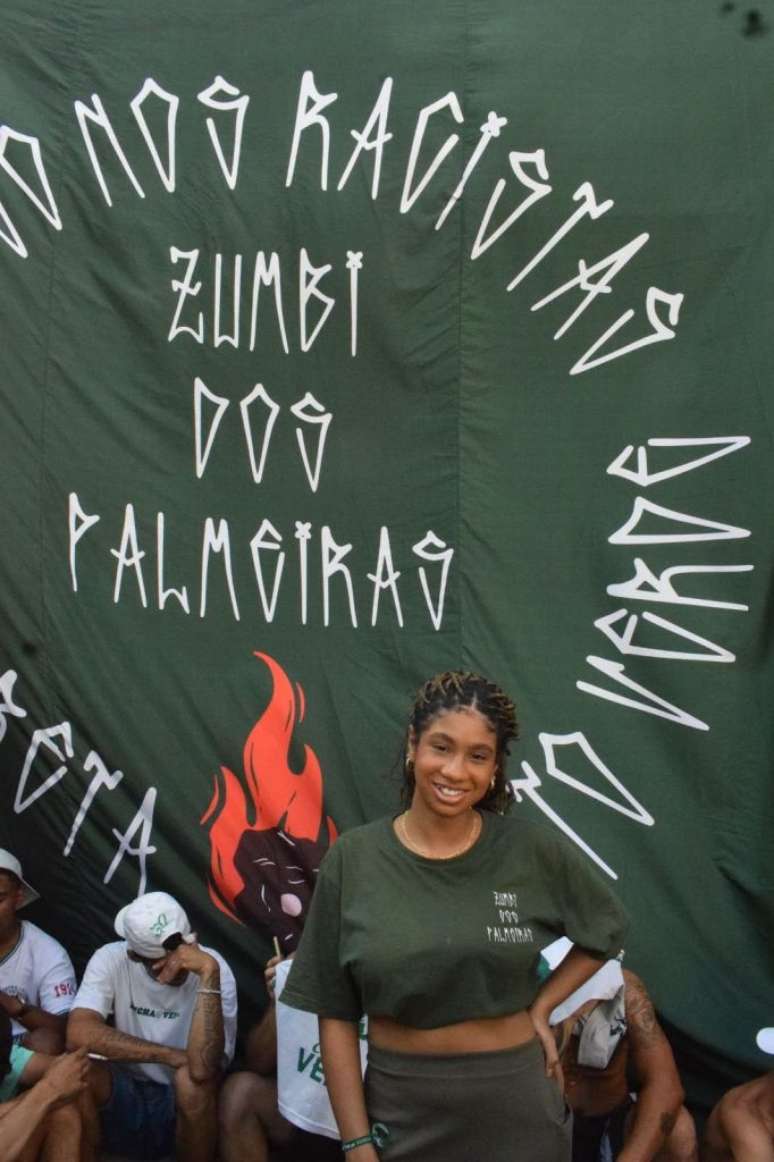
x=87 y=1025
x=89 y=1030
x=660 y=1091
x=205 y=1037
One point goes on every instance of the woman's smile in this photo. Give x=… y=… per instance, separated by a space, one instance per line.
x=454 y=761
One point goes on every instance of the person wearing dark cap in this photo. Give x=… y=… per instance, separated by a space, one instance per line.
x=174 y=1007
x=37 y=980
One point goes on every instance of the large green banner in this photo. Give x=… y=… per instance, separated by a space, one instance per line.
x=345 y=343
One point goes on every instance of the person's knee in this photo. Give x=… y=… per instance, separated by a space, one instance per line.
x=238 y=1098
x=245 y=1095
x=194 y=1099
x=100 y=1083
x=65 y=1123
x=736 y=1107
x=682 y=1143
x=740 y=1097
x=250 y=1100
x=746 y=1104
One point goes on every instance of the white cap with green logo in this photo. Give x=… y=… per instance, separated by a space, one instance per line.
x=149 y=921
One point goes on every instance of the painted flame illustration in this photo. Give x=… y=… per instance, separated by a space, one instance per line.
x=266 y=841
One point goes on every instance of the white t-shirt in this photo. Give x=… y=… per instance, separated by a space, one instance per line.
x=302 y=1095
x=112 y=983
x=39 y=972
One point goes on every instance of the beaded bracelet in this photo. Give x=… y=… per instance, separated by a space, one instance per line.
x=353 y=1143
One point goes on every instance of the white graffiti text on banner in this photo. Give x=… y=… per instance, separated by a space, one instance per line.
x=621 y=626
x=53 y=746
x=316 y=134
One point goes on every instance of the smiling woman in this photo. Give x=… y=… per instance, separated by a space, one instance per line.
x=432 y=925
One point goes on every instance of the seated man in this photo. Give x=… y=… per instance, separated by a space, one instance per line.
x=741 y=1126
x=615 y=1033
x=174 y=1024
x=45 y=1122
x=251 y=1125
x=37 y=981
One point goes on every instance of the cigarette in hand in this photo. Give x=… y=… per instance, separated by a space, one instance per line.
x=277 y=949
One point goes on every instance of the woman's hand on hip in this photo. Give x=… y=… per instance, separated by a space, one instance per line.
x=546 y=1037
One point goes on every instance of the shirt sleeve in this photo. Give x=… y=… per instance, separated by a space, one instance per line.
x=97 y=989
x=594 y=917
x=318 y=981
x=57 y=986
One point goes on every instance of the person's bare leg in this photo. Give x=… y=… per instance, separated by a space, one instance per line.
x=741 y=1126
x=249 y=1119
x=31 y=1152
x=682 y=1144
x=197 y=1117
x=64 y=1132
x=91 y=1132
x=714 y=1146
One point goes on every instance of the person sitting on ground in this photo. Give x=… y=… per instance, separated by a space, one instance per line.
x=45 y=1122
x=607 y=1031
x=741 y=1126
x=37 y=979
x=174 y=1011
x=251 y=1125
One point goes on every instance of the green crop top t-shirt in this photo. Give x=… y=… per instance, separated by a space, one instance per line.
x=433 y=942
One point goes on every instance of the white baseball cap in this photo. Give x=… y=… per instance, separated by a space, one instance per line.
x=11 y=864
x=149 y=921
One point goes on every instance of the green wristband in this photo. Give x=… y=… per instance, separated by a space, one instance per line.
x=377 y=1136
x=353 y=1143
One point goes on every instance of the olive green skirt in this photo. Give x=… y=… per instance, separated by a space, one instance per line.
x=471 y=1107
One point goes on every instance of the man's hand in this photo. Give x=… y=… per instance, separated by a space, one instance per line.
x=13 y=1005
x=66 y=1078
x=187 y=958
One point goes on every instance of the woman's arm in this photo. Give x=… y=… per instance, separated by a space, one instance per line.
x=575 y=970
x=340 y=1049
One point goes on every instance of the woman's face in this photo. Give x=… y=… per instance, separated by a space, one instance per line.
x=455 y=758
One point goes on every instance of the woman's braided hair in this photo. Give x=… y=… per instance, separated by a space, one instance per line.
x=456 y=690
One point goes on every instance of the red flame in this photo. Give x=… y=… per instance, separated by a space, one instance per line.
x=278 y=797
